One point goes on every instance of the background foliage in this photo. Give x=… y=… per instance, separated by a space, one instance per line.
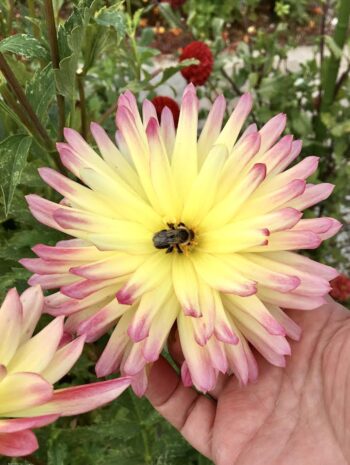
x=66 y=62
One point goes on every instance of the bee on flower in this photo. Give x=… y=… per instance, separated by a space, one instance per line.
x=30 y=365
x=171 y=228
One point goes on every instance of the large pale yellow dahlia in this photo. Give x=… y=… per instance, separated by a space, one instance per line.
x=29 y=365
x=174 y=228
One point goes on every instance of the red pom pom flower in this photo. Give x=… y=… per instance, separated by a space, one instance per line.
x=175 y=3
x=161 y=102
x=197 y=74
x=340 y=288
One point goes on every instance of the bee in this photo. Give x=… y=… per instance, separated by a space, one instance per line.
x=174 y=237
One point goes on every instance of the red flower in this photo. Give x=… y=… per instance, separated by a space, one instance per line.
x=340 y=288
x=161 y=102
x=175 y=3
x=197 y=74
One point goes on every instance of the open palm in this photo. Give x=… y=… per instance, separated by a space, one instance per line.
x=297 y=415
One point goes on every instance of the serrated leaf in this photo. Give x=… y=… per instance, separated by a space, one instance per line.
x=13 y=155
x=114 y=17
x=24 y=44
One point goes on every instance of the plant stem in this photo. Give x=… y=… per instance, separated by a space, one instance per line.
x=12 y=103
x=31 y=8
x=235 y=88
x=332 y=64
x=10 y=16
x=147 y=451
x=83 y=113
x=108 y=113
x=55 y=57
x=22 y=98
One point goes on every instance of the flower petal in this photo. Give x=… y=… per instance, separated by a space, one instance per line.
x=36 y=354
x=18 y=444
x=10 y=325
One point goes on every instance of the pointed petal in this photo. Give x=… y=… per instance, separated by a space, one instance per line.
x=221 y=276
x=211 y=128
x=36 y=354
x=63 y=360
x=80 y=399
x=184 y=159
x=10 y=325
x=232 y=128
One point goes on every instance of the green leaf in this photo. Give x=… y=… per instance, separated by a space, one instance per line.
x=13 y=155
x=40 y=91
x=71 y=36
x=24 y=44
x=169 y=15
x=333 y=47
x=112 y=16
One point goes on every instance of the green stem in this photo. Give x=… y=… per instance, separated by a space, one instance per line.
x=18 y=109
x=110 y=110
x=55 y=57
x=31 y=8
x=332 y=64
x=147 y=451
x=22 y=98
x=83 y=112
x=10 y=15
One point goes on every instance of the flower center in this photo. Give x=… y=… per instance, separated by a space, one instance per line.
x=177 y=237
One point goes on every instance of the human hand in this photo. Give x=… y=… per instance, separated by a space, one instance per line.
x=297 y=415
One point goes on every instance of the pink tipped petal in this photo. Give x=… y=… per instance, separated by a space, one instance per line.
x=36 y=354
x=186 y=375
x=256 y=309
x=293 y=154
x=139 y=383
x=32 y=301
x=222 y=276
x=290 y=300
x=292 y=329
x=217 y=355
x=10 y=325
x=19 y=391
x=148 y=112
x=232 y=128
x=212 y=127
x=313 y=194
x=99 y=323
x=19 y=424
x=271 y=131
x=52 y=281
x=167 y=129
x=332 y=231
x=291 y=240
x=63 y=360
x=111 y=357
x=18 y=444
x=80 y=399
x=202 y=373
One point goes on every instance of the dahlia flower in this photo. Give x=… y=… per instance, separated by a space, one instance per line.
x=340 y=288
x=160 y=102
x=29 y=365
x=197 y=74
x=174 y=229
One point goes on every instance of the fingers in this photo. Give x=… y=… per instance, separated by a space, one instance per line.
x=191 y=413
